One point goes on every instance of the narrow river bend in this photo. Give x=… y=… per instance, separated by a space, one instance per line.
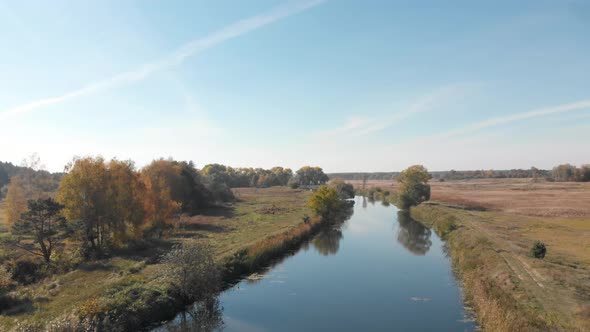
x=377 y=271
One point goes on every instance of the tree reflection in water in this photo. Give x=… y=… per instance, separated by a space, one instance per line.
x=412 y=235
x=327 y=242
x=203 y=316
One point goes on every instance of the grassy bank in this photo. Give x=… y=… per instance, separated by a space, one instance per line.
x=126 y=291
x=509 y=290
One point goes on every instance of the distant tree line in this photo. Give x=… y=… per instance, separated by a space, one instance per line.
x=361 y=176
x=563 y=172
x=567 y=172
x=32 y=173
x=451 y=174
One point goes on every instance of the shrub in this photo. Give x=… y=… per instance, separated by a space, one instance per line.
x=6 y=284
x=538 y=250
x=26 y=271
x=6 y=281
x=191 y=269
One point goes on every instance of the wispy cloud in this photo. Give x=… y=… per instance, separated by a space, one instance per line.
x=478 y=126
x=361 y=126
x=177 y=57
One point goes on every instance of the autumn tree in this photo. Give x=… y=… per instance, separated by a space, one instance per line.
x=84 y=192
x=162 y=181
x=15 y=202
x=413 y=186
x=125 y=215
x=44 y=224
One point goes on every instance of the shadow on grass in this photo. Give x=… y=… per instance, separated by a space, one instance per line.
x=225 y=211
x=202 y=227
x=150 y=249
x=10 y=306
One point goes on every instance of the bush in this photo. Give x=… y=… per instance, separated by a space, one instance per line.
x=6 y=281
x=538 y=250
x=191 y=269
x=26 y=271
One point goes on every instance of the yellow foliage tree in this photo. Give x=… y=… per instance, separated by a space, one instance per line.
x=15 y=202
x=126 y=195
x=84 y=193
x=106 y=198
x=162 y=181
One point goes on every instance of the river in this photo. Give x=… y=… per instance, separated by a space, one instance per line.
x=377 y=271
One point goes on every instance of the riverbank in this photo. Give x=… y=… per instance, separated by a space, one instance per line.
x=508 y=290
x=126 y=291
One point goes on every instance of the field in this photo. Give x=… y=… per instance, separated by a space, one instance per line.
x=255 y=221
x=499 y=220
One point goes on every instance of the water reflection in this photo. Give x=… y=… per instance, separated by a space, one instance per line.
x=412 y=235
x=327 y=241
x=204 y=316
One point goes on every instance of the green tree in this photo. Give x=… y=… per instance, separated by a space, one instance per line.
x=325 y=202
x=413 y=186
x=344 y=190
x=44 y=224
x=311 y=176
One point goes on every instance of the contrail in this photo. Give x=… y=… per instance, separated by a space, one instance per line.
x=189 y=49
x=512 y=117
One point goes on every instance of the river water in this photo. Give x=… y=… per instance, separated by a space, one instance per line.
x=377 y=271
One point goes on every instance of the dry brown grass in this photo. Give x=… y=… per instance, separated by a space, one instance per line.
x=519 y=212
x=519 y=196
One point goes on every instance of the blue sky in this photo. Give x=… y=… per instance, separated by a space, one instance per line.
x=347 y=85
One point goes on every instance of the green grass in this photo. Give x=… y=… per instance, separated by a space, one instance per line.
x=127 y=287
